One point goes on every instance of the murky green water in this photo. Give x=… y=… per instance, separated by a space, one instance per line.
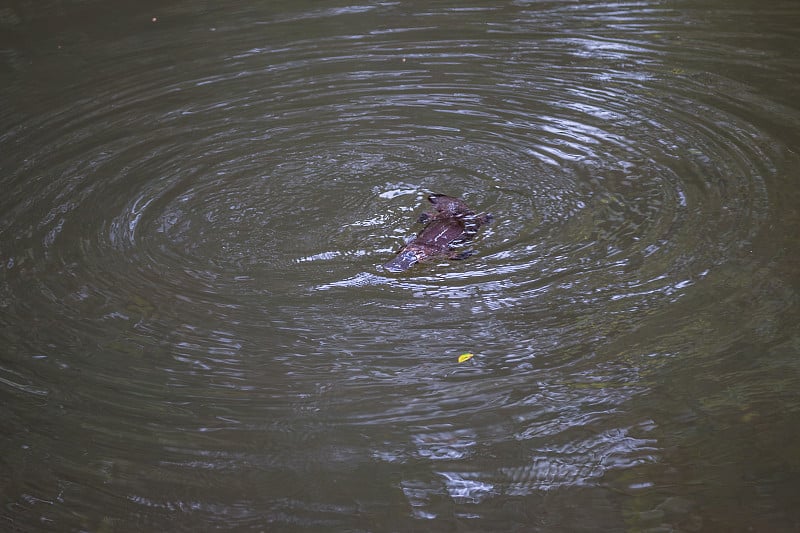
x=196 y=332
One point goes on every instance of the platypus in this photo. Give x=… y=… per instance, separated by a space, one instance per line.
x=452 y=225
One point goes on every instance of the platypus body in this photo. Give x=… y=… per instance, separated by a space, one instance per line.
x=451 y=225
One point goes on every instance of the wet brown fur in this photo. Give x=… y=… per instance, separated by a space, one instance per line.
x=452 y=224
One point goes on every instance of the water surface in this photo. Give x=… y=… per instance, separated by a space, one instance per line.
x=197 y=333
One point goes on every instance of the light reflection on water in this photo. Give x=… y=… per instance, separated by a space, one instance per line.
x=197 y=332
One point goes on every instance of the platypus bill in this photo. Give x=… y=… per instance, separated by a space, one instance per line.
x=452 y=224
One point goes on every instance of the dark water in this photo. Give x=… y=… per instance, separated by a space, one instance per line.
x=197 y=198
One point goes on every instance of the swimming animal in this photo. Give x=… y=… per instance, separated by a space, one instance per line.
x=450 y=226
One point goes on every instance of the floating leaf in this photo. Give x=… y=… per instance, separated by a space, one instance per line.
x=464 y=357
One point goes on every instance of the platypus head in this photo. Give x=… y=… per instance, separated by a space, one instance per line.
x=449 y=205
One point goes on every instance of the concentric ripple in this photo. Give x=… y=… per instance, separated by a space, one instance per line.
x=192 y=231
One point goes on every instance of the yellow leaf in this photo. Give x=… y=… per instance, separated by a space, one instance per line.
x=464 y=357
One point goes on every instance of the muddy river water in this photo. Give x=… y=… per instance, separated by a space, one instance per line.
x=196 y=332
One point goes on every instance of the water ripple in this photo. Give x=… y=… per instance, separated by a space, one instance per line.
x=212 y=220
